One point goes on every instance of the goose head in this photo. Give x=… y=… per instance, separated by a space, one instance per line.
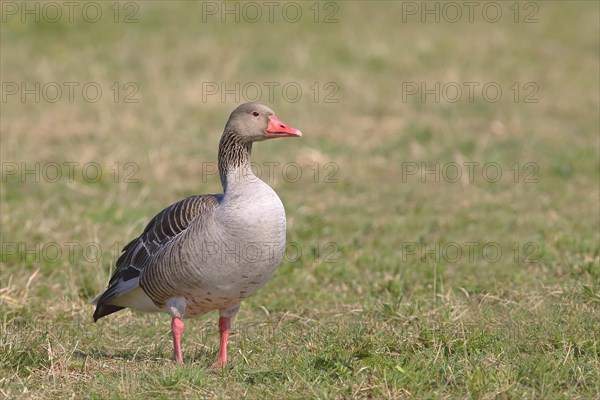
x=255 y=122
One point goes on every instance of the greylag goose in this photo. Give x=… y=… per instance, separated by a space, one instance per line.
x=208 y=252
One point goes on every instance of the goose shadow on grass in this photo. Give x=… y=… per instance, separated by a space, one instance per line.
x=195 y=357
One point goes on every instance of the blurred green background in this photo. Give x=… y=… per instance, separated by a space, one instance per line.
x=372 y=301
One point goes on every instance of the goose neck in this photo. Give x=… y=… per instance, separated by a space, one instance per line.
x=234 y=161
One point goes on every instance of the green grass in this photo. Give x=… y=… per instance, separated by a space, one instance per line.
x=370 y=307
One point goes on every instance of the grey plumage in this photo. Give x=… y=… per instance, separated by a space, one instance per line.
x=162 y=232
x=208 y=252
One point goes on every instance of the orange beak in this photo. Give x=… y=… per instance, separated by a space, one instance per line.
x=277 y=128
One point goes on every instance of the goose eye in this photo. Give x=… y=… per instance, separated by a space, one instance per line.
x=255 y=114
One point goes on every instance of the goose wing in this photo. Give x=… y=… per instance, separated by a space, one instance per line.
x=138 y=254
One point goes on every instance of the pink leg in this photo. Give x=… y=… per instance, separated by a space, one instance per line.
x=224 y=329
x=177 y=329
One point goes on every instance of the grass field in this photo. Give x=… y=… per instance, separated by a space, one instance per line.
x=443 y=233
